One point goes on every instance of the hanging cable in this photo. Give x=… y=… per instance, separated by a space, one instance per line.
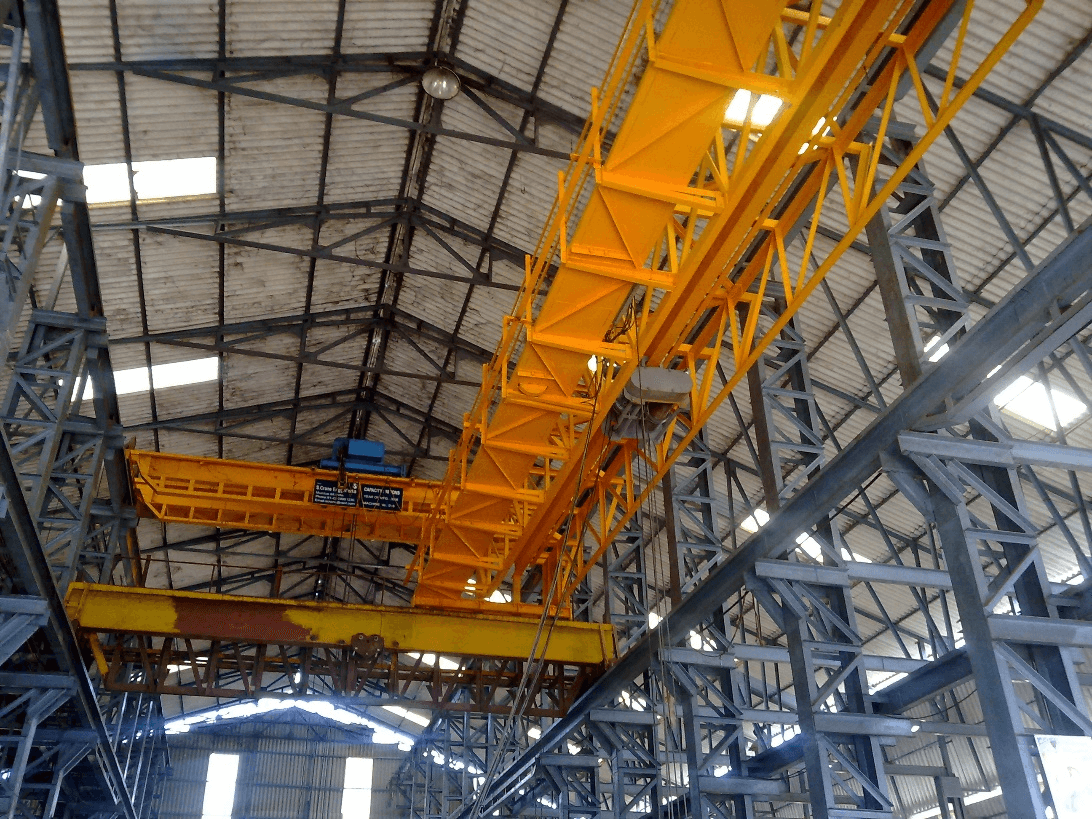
x=536 y=661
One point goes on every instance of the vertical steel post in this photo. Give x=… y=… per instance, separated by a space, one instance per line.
x=927 y=311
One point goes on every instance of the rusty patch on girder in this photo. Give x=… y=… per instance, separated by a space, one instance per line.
x=223 y=620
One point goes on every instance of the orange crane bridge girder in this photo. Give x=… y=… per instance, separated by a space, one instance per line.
x=689 y=223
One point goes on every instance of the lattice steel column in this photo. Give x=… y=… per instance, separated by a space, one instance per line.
x=695 y=501
x=975 y=505
x=817 y=615
x=784 y=410
x=922 y=295
x=57 y=440
x=30 y=184
x=626 y=582
x=999 y=582
x=60 y=754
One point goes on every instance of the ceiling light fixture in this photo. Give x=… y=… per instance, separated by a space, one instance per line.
x=441 y=83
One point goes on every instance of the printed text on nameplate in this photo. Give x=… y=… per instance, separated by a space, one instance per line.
x=368 y=496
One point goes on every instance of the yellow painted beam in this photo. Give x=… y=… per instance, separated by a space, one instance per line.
x=539 y=384
x=100 y=609
x=272 y=498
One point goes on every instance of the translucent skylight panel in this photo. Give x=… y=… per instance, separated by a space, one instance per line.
x=765 y=109
x=752 y=523
x=1029 y=400
x=106 y=183
x=430 y=659
x=405 y=713
x=127 y=382
x=969 y=799
x=220 y=786
x=810 y=545
x=936 y=351
x=159 y=179
x=356 y=799
x=184 y=373
x=175 y=374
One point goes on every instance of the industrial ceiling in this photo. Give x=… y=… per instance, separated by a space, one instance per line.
x=353 y=262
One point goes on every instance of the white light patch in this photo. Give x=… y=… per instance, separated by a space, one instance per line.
x=752 y=523
x=654 y=619
x=106 y=183
x=430 y=659
x=220 y=786
x=936 y=351
x=175 y=374
x=534 y=732
x=1029 y=400
x=971 y=799
x=781 y=735
x=700 y=643
x=184 y=373
x=356 y=798
x=1067 y=763
x=884 y=683
x=160 y=179
x=766 y=108
x=381 y=734
x=412 y=716
x=810 y=545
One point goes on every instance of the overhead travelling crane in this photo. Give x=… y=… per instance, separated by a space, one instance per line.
x=690 y=221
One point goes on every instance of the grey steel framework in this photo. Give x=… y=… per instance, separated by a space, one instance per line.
x=65 y=749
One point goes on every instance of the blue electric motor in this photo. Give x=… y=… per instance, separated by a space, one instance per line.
x=358 y=455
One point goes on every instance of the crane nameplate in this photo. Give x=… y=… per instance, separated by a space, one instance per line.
x=367 y=496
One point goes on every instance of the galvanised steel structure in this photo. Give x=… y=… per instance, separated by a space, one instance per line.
x=376 y=402
x=65 y=747
x=707 y=713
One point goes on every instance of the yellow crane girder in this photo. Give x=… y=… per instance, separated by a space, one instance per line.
x=98 y=610
x=658 y=250
x=685 y=229
x=275 y=498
